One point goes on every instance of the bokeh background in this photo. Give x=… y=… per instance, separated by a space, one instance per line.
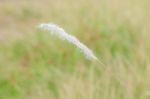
x=35 y=65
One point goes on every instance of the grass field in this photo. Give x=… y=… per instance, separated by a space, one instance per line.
x=36 y=65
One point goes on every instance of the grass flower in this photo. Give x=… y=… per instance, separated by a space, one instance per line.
x=59 y=32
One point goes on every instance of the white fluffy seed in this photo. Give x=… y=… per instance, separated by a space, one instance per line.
x=59 y=32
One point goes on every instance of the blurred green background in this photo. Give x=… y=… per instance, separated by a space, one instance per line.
x=35 y=65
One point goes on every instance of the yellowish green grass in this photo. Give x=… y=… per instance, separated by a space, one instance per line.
x=35 y=65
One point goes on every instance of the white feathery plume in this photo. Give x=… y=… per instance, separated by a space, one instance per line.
x=57 y=31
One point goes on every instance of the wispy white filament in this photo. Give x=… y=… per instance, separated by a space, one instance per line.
x=59 y=32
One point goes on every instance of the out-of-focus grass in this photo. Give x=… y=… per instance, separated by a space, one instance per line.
x=34 y=65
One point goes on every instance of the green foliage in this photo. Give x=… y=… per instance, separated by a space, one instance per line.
x=39 y=66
